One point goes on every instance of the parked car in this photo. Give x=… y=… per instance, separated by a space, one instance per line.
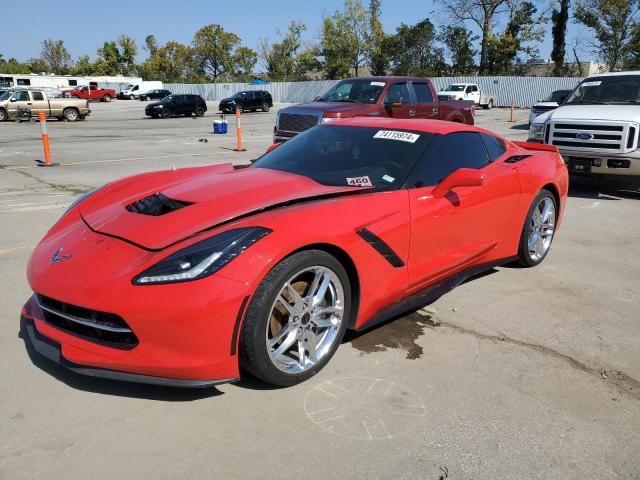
x=133 y=90
x=247 y=100
x=207 y=269
x=175 y=104
x=596 y=128
x=467 y=91
x=91 y=92
x=550 y=102
x=394 y=97
x=155 y=93
x=12 y=101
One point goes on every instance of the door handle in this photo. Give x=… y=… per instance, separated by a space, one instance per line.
x=435 y=110
x=412 y=113
x=29 y=103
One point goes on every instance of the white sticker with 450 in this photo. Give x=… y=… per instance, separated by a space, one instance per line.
x=359 y=182
x=396 y=135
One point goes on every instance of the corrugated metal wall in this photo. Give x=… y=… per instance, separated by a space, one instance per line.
x=524 y=90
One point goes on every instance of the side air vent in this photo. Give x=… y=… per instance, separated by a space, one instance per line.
x=156 y=205
x=516 y=158
x=381 y=247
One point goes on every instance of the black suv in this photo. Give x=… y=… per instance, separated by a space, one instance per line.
x=176 y=105
x=247 y=100
x=155 y=94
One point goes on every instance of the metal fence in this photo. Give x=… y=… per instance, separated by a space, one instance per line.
x=525 y=91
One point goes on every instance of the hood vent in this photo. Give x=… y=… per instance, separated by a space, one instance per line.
x=156 y=205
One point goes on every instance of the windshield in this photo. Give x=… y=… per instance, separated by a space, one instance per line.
x=618 y=89
x=239 y=95
x=346 y=155
x=354 y=91
x=558 y=96
x=129 y=86
x=4 y=95
x=454 y=88
x=167 y=99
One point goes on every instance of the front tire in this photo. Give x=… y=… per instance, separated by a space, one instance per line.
x=265 y=107
x=538 y=230
x=165 y=114
x=296 y=319
x=3 y=115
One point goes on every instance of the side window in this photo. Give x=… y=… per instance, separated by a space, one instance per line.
x=73 y=83
x=399 y=91
x=37 y=95
x=23 y=81
x=450 y=152
x=474 y=88
x=469 y=89
x=495 y=146
x=21 y=96
x=134 y=88
x=423 y=94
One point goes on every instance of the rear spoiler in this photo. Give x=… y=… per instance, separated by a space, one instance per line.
x=537 y=146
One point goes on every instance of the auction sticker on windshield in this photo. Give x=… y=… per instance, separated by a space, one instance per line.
x=395 y=135
x=359 y=181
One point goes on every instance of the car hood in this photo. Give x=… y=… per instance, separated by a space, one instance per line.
x=154 y=104
x=596 y=112
x=212 y=195
x=546 y=105
x=228 y=100
x=340 y=108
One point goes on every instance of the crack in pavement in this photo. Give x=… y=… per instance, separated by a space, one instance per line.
x=55 y=186
x=620 y=380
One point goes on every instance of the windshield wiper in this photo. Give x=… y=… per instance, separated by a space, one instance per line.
x=630 y=102
x=588 y=102
x=348 y=100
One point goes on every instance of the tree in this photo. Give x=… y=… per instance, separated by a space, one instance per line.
x=481 y=12
x=127 y=51
x=559 y=19
x=151 y=44
x=171 y=63
x=523 y=27
x=288 y=60
x=83 y=67
x=344 y=40
x=108 y=61
x=55 y=56
x=244 y=60
x=613 y=23
x=13 y=66
x=458 y=41
x=214 y=49
x=376 y=53
x=413 y=50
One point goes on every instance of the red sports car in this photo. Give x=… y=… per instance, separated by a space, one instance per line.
x=184 y=277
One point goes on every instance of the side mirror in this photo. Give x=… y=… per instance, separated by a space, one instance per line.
x=13 y=99
x=393 y=103
x=463 y=177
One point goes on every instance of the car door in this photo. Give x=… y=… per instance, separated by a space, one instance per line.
x=474 y=94
x=468 y=225
x=425 y=104
x=19 y=100
x=39 y=103
x=399 y=91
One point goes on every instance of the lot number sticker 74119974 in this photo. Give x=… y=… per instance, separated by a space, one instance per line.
x=396 y=135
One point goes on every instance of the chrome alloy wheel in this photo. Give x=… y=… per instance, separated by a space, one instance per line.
x=305 y=319
x=543 y=223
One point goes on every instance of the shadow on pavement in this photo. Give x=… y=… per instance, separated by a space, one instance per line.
x=601 y=189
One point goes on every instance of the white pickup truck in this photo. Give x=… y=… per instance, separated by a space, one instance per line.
x=467 y=91
x=596 y=129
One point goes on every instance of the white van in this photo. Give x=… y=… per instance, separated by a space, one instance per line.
x=133 y=90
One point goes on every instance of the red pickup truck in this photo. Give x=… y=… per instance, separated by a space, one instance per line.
x=92 y=92
x=395 y=97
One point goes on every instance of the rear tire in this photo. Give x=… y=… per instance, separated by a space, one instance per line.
x=71 y=114
x=274 y=334
x=199 y=112
x=106 y=98
x=538 y=229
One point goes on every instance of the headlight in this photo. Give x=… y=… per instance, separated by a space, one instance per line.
x=324 y=120
x=536 y=131
x=203 y=258
x=158 y=106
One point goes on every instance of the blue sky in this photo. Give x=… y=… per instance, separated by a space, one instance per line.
x=85 y=25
